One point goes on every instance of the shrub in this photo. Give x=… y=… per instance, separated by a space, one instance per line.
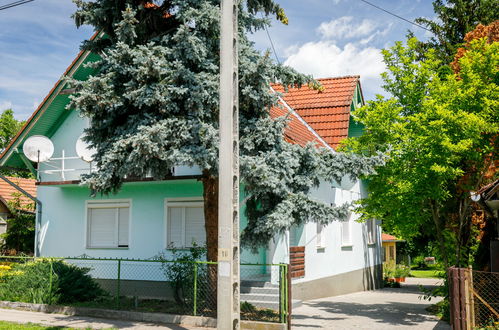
x=45 y=281
x=74 y=284
x=180 y=273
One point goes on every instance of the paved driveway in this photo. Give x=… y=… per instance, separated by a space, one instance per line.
x=381 y=309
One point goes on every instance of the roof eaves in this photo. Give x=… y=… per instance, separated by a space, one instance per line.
x=7 y=152
x=286 y=105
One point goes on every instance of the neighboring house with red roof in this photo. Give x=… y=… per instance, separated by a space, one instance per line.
x=146 y=217
x=8 y=193
x=389 y=243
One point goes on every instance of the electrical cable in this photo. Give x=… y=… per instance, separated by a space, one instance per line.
x=14 y=4
x=395 y=15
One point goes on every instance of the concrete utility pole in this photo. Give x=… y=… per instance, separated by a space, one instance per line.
x=228 y=309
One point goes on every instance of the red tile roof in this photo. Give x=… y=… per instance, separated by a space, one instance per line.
x=7 y=191
x=389 y=238
x=297 y=131
x=327 y=111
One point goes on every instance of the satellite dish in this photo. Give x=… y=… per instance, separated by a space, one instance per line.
x=38 y=148
x=475 y=197
x=84 y=151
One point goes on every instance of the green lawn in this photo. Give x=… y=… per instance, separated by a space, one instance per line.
x=30 y=326
x=430 y=273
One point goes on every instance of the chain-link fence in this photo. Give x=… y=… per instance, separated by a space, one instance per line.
x=175 y=287
x=485 y=296
x=473 y=298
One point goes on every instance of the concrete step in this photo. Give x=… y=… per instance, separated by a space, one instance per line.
x=259 y=297
x=260 y=290
x=258 y=284
x=271 y=304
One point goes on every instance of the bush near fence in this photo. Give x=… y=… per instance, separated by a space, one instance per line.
x=143 y=285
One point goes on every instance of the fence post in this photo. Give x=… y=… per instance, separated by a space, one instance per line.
x=472 y=298
x=289 y=301
x=467 y=298
x=118 y=288
x=195 y=288
x=281 y=294
x=50 y=280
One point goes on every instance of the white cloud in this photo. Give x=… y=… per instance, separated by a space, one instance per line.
x=325 y=59
x=346 y=27
x=5 y=105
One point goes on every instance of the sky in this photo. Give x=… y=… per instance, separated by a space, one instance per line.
x=325 y=38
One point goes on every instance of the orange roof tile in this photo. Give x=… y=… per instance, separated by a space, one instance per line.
x=7 y=191
x=327 y=111
x=389 y=238
x=297 y=131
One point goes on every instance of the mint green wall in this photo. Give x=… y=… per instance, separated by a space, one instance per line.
x=355 y=129
x=63 y=228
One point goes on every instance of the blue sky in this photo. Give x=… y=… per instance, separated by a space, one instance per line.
x=325 y=38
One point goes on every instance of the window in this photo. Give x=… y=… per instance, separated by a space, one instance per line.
x=346 y=232
x=108 y=224
x=321 y=236
x=371 y=231
x=185 y=224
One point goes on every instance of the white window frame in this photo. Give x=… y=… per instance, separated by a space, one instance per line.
x=107 y=204
x=347 y=222
x=372 y=236
x=179 y=202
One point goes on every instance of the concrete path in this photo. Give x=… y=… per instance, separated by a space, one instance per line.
x=381 y=309
x=59 y=320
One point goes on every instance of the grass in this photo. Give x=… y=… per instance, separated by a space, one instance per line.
x=30 y=326
x=430 y=273
x=248 y=311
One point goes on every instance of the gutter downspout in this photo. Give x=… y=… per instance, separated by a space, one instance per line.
x=38 y=210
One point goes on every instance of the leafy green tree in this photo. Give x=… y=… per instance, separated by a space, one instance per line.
x=440 y=131
x=20 y=234
x=153 y=104
x=455 y=18
x=9 y=126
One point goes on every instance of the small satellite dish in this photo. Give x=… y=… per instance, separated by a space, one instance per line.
x=475 y=197
x=84 y=151
x=38 y=148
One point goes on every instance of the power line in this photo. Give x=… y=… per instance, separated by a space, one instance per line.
x=14 y=4
x=400 y=17
x=271 y=42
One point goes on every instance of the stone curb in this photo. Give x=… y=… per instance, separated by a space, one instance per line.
x=194 y=321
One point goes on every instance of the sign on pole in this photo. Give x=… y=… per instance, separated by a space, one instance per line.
x=228 y=308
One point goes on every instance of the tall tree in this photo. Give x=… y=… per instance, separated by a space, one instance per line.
x=154 y=104
x=455 y=18
x=440 y=131
x=9 y=126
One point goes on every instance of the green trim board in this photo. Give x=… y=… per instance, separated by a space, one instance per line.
x=50 y=114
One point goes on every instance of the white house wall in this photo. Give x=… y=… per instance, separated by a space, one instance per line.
x=333 y=258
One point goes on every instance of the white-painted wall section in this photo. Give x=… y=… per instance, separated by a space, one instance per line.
x=329 y=255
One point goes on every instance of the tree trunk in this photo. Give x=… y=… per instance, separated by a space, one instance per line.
x=436 y=219
x=210 y=195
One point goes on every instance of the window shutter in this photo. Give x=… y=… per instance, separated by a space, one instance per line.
x=123 y=225
x=194 y=226
x=175 y=220
x=102 y=227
